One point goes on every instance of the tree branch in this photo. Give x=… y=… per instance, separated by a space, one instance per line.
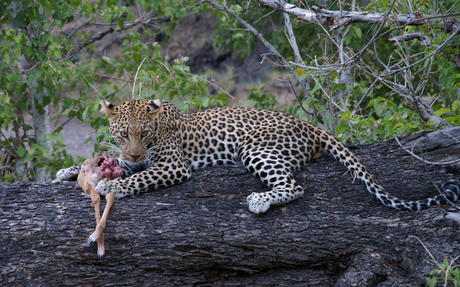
x=201 y=233
x=101 y=35
x=267 y=44
x=338 y=19
x=424 y=40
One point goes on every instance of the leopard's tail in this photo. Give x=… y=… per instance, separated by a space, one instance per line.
x=450 y=191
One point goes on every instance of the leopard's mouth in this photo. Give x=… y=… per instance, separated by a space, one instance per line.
x=135 y=160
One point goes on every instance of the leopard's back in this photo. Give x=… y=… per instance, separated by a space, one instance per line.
x=219 y=136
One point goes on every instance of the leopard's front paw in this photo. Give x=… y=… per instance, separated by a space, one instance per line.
x=68 y=174
x=258 y=203
x=105 y=186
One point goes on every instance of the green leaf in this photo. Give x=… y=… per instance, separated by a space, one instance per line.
x=21 y=151
x=339 y=86
x=68 y=162
x=345 y=115
x=110 y=70
x=440 y=112
x=85 y=113
x=8 y=177
x=67 y=104
x=20 y=39
x=75 y=3
x=455 y=105
x=57 y=54
x=223 y=97
x=453 y=119
x=31 y=77
x=310 y=101
x=315 y=88
x=358 y=31
x=205 y=101
x=304 y=76
x=299 y=113
x=111 y=3
x=431 y=282
x=334 y=75
x=121 y=21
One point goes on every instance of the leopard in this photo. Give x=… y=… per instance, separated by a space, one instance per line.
x=160 y=146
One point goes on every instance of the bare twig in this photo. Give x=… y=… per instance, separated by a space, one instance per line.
x=341 y=18
x=293 y=42
x=101 y=35
x=264 y=42
x=135 y=77
x=6 y=167
x=369 y=91
x=112 y=77
x=77 y=29
x=327 y=95
x=424 y=39
x=434 y=184
x=424 y=109
x=426 y=249
x=423 y=160
x=291 y=38
x=448 y=269
x=327 y=17
x=109 y=95
x=448 y=135
x=218 y=87
x=173 y=76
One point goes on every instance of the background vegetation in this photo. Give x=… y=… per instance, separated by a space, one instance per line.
x=360 y=78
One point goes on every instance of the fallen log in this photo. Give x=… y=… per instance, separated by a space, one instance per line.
x=202 y=233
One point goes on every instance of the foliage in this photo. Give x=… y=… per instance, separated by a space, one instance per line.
x=37 y=35
x=262 y=100
x=444 y=275
x=385 y=120
x=334 y=97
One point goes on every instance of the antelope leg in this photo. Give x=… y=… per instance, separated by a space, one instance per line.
x=110 y=198
x=96 y=203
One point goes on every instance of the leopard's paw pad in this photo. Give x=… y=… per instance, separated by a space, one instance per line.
x=258 y=203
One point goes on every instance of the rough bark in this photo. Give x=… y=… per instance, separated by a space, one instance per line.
x=200 y=233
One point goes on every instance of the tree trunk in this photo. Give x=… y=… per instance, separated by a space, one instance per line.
x=202 y=233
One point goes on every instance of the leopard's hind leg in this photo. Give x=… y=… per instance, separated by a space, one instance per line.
x=275 y=172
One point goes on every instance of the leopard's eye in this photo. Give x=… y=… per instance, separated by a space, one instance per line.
x=124 y=134
x=144 y=133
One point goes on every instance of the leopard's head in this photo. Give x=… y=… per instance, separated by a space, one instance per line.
x=133 y=126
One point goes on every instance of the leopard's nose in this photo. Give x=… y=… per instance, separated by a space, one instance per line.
x=135 y=157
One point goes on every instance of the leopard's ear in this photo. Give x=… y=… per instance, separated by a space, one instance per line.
x=154 y=107
x=109 y=110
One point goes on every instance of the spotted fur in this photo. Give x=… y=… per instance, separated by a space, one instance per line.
x=160 y=146
x=68 y=174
